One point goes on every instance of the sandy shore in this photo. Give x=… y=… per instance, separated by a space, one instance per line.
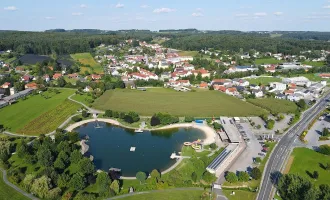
x=209 y=132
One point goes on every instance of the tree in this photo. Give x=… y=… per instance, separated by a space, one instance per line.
x=44 y=156
x=189 y=119
x=324 y=192
x=115 y=186
x=325 y=132
x=315 y=175
x=194 y=176
x=154 y=121
x=75 y=156
x=302 y=104
x=243 y=176
x=41 y=186
x=141 y=176
x=155 y=175
x=59 y=164
x=54 y=193
x=63 y=156
x=63 y=180
x=73 y=136
x=213 y=146
x=108 y=113
x=231 y=177
x=324 y=149
x=103 y=182
x=63 y=146
x=77 y=182
x=84 y=114
x=256 y=173
x=28 y=181
x=21 y=149
x=61 y=82
x=208 y=177
x=86 y=166
x=270 y=124
x=327 y=166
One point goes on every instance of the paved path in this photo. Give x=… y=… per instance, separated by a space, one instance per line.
x=30 y=196
x=153 y=191
x=91 y=110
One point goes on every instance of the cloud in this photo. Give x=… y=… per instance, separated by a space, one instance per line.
x=145 y=6
x=199 y=9
x=10 y=8
x=83 y=6
x=197 y=15
x=119 y=5
x=77 y=14
x=278 y=13
x=328 y=6
x=260 y=14
x=50 y=18
x=241 y=15
x=164 y=10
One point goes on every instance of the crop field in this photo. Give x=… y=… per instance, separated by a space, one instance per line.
x=263 y=80
x=7 y=192
x=275 y=106
x=88 y=62
x=49 y=121
x=262 y=61
x=18 y=115
x=30 y=59
x=307 y=161
x=202 y=103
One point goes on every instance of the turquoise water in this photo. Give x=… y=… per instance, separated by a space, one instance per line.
x=110 y=146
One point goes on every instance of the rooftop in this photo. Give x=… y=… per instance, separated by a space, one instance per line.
x=230 y=129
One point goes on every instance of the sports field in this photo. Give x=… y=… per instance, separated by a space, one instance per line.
x=87 y=60
x=263 y=80
x=17 y=116
x=7 y=192
x=262 y=61
x=166 y=195
x=307 y=161
x=202 y=103
x=275 y=106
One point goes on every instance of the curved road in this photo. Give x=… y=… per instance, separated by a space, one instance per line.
x=30 y=196
x=283 y=148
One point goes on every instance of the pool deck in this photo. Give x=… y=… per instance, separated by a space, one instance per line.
x=210 y=134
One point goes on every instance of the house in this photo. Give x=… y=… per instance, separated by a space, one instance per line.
x=299 y=81
x=31 y=86
x=149 y=74
x=232 y=91
x=280 y=96
x=240 y=82
x=292 y=86
x=277 y=86
x=178 y=83
x=203 y=85
x=258 y=93
x=224 y=82
x=139 y=76
x=88 y=89
x=254 y=87
x=74 y=75
x=19 y=69
x=220 y=88
x=271 y=69
x=204 y=73
x=5 y=85
x=26 y=78
x=57 y=76
x=46 y=77
x=165 y=75
x=324 y=75
x=295 y=97
x=288 y=92
x=96 y=77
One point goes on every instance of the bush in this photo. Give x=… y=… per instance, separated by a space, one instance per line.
x=115 y=114
x=84 y=114
x=231 y=177
x=256 y=173
x=270 y=124
x=154 y=121
x=217 y=125
x=76 y=119
x=108 y=113
x=189 y=119
x=213 y=146
x=324 y=149
x=323 y=138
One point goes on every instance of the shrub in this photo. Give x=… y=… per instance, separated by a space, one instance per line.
x=324 y=149
x=108 y=113
x=84 y=114
x=270 y=124
x=76 y=119
x=154 y=121
x=256 y=173
x=323 y=138
x=213 y=146
x=217 y=125
x=231 y=177
x=189 y=119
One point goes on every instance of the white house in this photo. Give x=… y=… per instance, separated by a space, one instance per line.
x=277 y=86
x=241 y=82
x=258 y=93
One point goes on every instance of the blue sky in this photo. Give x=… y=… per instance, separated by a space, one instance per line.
x=38 y=15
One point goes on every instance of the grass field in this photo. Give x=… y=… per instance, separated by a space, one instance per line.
x=168 y=195
x=275 y=106
x=313 y=77
x=7 y=192
x=202 y=103
x=262 y=61
x=307 y=161
x=240 y=195
x=314 y=64
x=18 y=115
x=188 y=53
x=263 y=80
x=87 y=59
x=83 y=98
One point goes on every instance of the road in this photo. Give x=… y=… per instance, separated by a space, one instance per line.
x=283 y=148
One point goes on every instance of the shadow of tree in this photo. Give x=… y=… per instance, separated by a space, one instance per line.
x=309 y=174
x=275 y=177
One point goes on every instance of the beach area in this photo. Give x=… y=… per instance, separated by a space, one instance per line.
x=209 y=132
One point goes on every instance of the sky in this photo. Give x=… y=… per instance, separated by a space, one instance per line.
x=243 y=15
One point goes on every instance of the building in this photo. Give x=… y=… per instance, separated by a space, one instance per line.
x=290 y=66
x=277 y=86
x=96 y=77
x=6 y=85
x=12 y=98
x=299 y=81
x=204 y=73
x=57 y=76
x=258 y=93
x=230 y=129
x=232 y=91
x=240 y=82
x=31 y=86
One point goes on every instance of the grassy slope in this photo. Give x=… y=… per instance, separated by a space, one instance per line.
x=7 y=192
x=275 y=105
x=16 y=116
x=87 y=59
x=203 y=103
x=166 y=195
x=263 y=80
x=309 y=160
x=82 y=98
x=314 y=64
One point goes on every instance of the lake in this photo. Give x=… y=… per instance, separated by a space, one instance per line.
x=110 y=147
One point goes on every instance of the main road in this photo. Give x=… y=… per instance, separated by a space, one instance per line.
x=283 y=148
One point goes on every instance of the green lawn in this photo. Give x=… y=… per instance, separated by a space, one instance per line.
x=275 y=106
x=306 y=160
x=262 y=61
x=83 y=98
x=314 y=64
x=18 y=115
x=263 y=80
x=168 y=195
x=314 y=77
x=240 y=195
x=202 y=103
x=7 y=192
x=86 y=59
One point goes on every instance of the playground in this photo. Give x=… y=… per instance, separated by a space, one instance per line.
x=196 y=145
